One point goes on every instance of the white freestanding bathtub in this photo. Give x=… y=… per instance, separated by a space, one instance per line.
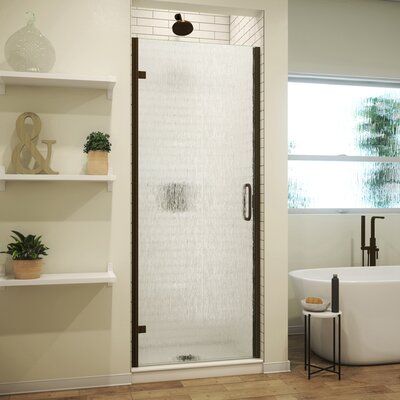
x=370 y=302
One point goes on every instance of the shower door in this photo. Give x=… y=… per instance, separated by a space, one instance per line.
x=196 y=196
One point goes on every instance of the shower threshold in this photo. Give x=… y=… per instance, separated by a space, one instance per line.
x=158 y=373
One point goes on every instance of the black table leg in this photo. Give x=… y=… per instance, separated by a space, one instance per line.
x=334 y=344
x=305 y=342
x=335 y=368
x=339 y=355
x=309 y=345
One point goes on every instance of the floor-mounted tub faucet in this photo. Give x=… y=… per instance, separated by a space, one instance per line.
x=372 y=249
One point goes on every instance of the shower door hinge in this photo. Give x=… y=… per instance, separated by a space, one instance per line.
x=142 y=329
x=142 y=74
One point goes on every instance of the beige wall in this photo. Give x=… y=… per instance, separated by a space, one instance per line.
x=349 y=37
x=60 y=332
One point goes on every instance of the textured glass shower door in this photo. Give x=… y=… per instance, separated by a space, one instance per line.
x=194 y=237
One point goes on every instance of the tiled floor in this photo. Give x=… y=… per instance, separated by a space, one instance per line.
x=358 y=383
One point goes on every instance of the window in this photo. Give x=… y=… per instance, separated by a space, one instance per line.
x=344 y=145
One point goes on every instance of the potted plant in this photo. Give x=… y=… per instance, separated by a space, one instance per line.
x=26 y=253
x=97 y=147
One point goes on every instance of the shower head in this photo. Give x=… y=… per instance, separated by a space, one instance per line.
x=182 y=27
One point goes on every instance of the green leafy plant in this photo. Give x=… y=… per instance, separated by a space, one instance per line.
x=97 y=141
x=28 y=247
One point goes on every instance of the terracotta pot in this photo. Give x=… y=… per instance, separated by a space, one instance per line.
x=97 y=163
x=27 y=269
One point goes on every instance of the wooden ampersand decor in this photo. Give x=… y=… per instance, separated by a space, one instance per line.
x=28 y=142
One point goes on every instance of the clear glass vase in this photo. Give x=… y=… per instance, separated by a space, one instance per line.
x=29 y=50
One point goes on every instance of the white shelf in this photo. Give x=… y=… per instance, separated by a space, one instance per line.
x=56 y=80
x=109 y=179
x=108 y=277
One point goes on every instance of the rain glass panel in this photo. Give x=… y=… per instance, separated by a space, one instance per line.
x=333 y=119
x=195 y=248
x=330 y=184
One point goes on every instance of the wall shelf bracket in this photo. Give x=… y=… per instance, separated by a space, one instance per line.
x=110 y=182
x=110 y=271
x=2 y=182
x=110 y=91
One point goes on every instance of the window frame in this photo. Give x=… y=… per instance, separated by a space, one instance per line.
x=351 y=81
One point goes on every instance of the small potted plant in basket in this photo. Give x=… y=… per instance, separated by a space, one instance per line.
x=26 y=253
x=97 y=147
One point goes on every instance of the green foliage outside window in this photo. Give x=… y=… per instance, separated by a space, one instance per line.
x=379 y=128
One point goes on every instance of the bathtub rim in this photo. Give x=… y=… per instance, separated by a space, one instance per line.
x=295 y=275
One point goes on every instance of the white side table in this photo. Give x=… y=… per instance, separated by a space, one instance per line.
x=307 y=342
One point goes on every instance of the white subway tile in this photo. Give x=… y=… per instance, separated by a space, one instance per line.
x=214 y=27
x=182 y=39
x=255 y=36
x=198 y=17
x=142 y=29
x=214 y=41
x=142 y=13
x=203 y=34
x=241 y=28
x=232 y=18
x=163 y=15
x=152 y=22
x=162 y=31
x=234 y=29
x=184 y=13
x=222 y=20
x=222 y=36
x=245 y=22
x=152 y=37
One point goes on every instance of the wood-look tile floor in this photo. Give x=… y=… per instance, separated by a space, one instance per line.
x=358 y=383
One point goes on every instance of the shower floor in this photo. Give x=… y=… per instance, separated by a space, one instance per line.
x=202 y=353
